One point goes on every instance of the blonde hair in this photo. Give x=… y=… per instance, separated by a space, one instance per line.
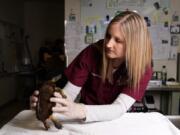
x=138 y=55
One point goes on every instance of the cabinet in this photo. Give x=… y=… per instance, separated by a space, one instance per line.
x=7 y=88
x=26 y=85
x=166 y=99
x=16 y=86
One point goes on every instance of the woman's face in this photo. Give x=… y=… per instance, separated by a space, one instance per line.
x=115 y=47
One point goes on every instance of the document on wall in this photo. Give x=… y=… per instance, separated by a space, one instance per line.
x=160 y=37
x=74 y=42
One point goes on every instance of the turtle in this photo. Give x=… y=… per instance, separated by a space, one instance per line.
x=44 y=106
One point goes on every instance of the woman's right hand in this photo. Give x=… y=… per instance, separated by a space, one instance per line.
x=34 y=99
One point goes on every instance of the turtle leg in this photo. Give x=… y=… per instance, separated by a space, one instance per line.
x=57 y=123
x=46 y=125
x=61 y=92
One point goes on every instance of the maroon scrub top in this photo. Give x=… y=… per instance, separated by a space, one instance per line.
x=84 y=72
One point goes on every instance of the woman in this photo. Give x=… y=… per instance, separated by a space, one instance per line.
x=110 y=75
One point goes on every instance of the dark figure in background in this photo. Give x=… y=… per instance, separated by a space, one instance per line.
x=52 y=62
x=58 y=48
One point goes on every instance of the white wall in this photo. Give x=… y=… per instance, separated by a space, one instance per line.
x=75 y=6
x=72 y=5
x=171 y=64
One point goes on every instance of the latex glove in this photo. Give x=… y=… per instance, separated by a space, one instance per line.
x=33 y=99
x=66 y=109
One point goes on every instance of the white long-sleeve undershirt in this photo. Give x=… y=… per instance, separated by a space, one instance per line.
x=108 y=112
x=101 y=112
x=71 y=90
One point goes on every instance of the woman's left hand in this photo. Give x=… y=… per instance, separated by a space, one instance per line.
x=66 y=109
